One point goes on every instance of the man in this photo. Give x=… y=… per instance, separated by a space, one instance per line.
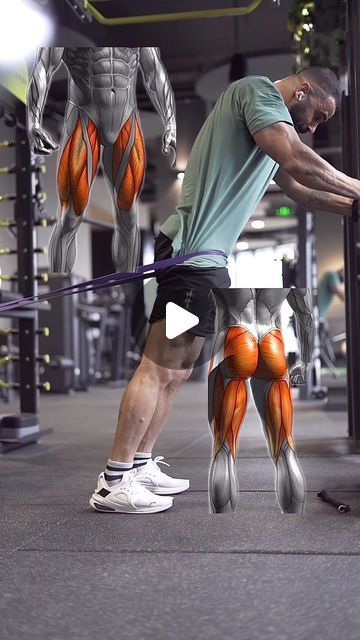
x=330 y=286
x=251 y=135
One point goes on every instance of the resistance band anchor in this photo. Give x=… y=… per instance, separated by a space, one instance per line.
x=340 y=506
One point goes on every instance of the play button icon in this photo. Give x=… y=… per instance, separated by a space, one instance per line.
x=178 y=320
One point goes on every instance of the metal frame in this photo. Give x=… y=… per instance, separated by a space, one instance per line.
x=163 y=17
x=23 y=428
x=307 y=277
x=351 y=161
x=27 y=285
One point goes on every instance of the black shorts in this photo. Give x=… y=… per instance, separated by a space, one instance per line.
x=188 y=287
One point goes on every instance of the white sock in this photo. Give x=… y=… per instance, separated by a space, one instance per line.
x=141 y=459
x=115 y=470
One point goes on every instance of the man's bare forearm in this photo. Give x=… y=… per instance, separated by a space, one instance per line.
x=324 y=201
x=308 y=168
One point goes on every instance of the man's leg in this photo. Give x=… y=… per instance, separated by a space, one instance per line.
x=165 y=363
x=163 y=408
x=78 y=164
x=148 y=399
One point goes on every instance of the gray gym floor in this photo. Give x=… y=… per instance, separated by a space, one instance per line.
x=183 y=574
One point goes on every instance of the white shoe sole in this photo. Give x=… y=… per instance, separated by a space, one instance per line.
x=97 y=505
x=163 y=491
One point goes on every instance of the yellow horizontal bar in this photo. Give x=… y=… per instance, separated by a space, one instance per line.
x=6 y=385
x=7 y=223
x=170 y=17
x=7 y=169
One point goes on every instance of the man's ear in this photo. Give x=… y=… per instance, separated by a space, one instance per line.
x=305 y=87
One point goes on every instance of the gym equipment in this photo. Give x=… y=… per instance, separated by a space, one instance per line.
x=108 y=319
x=351 y=164
x=40 y=222
x=22 y=361
x=43 y=331
x=7 y=251
x=44 y=277
x=44 y=358
x=340 y=506
x=11 y=169
x=4 y=144
x=15 y=385
x=86 y=9
x=307 y=277
x=68 y=343
x=7 y=223
x=78 y=7
x=110 y=280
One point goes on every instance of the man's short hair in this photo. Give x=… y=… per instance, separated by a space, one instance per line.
x=324 y=80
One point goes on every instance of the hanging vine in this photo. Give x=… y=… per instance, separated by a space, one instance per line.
x=317 y=29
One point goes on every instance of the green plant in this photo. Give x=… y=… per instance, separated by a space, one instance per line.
x=317 y=29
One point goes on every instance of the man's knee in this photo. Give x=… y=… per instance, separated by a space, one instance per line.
x=164 y=377
x=178 y=378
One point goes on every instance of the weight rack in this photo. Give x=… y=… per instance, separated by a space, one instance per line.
x=20 y=429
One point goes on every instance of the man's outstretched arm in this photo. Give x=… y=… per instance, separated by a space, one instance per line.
x=313 y=199
x=281 y=142
x=47 y=61
x=160 y=92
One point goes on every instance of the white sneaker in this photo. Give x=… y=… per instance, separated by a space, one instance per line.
x=128 y=496
x=152 y=478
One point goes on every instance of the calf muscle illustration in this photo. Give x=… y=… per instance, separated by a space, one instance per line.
x=101 y=125
x=249 y=347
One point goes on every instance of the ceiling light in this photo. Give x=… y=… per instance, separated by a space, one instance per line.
x=257 y=224
x=242 y=245
x=23 y=28
x=290 y=254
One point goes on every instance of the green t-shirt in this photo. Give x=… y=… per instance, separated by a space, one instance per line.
x=326 y=291
x=227 y=173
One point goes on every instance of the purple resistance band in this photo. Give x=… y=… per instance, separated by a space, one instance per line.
x=110 y=280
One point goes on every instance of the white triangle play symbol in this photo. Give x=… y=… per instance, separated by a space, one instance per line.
x=178 y=320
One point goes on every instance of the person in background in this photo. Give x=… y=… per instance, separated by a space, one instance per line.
x=330 y=287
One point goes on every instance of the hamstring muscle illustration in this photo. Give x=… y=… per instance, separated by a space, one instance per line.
x=248 y=352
